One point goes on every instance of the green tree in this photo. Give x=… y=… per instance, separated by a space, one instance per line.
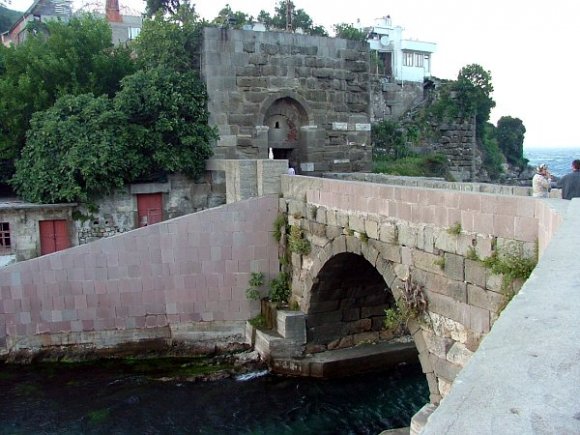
x=473 y=90
x=154 y=7
x=510 y=135
x=348 y=31
x=170 y=106
x=77 y=149
x=286 y=14
x=76 y=57
x=171 y=40
x=492 y=155
x=228 y=18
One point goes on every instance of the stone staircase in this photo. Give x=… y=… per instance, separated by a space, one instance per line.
x=283 y=348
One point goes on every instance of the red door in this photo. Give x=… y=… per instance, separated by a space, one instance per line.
x=149 y=208
x=53 y=236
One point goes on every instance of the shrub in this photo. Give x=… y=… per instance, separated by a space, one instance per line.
x=280 y=288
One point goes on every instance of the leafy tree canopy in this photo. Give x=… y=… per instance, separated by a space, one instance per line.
x=348 y=31
x=171 y=40
x=170 y=106
x=163 y=7
x=286 y=14
x=510 y=133
x=228 y=18
x=76 y=57
x=75 y=149
x=473 y=90
x=85 y=146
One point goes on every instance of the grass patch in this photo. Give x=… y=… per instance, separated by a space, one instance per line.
x=429 y=165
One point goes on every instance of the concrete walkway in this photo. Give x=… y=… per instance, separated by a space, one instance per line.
x=525 y=376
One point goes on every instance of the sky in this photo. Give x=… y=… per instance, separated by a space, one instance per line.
x=529 y=47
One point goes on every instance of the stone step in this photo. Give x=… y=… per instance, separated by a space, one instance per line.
x=364 y=358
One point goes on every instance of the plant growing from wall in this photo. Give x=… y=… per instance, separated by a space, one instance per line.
x=256 y=281
x=280 y=288
x=364 y=237
x=472 y=254
x=512 y=266
x=280 y=226
x=440 y=262
x=454 y=229
x=258 y=321
x=297 y=243
x=411 y=304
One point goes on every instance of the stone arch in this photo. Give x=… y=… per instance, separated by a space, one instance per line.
x=347 y=303
x=285 y=115
x=304 y=284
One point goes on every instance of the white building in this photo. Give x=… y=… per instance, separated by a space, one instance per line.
x=401 y=60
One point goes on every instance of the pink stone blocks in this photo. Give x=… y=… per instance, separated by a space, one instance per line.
x=192 y=268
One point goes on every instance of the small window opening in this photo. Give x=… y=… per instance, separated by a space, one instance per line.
x=277 y=125
x=5 y=242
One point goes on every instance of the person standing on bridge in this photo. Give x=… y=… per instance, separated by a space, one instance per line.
x=570 y=183
x=541 y=182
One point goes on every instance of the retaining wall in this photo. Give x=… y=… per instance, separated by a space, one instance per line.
x=182 y=279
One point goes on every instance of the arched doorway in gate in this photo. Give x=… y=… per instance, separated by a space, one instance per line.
x=285 y=117
x=347 y=304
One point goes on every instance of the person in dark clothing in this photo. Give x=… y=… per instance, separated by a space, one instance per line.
x=570 y=183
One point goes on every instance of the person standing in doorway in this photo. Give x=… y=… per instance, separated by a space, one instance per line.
x=570 y=183
x=541 y=182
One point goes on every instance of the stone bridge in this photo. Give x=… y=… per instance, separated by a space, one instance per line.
x=366 y=239
x=183 y=281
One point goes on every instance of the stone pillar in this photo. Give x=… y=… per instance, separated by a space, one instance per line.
x=312 y=139
x=261 y=141
x=241 y=180
x=268 y=176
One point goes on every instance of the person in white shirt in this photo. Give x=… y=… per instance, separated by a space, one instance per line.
x=541 y=182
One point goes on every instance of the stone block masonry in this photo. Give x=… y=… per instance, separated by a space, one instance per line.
x=432 y=235
x=305 y=97
x=168 y=281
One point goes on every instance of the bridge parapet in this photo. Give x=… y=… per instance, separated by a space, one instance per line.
x=431 y=234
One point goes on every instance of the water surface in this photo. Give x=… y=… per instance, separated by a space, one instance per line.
x=105 y=400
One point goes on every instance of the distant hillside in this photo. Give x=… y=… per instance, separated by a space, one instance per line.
x=7 y=18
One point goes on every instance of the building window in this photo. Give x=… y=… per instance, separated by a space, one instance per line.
x=134 y=32
x=407 y=58
x=4 y=237
x=419 y=58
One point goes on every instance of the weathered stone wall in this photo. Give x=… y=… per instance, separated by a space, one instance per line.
x=392 y=100
x=435 y=183
x=117 y=213
x=455 y=139
x=405 y=231
x=181 y=280
x=306 y=97
x=24 y=218
x=525 y=376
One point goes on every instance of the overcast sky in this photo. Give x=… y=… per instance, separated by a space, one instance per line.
x=528 y=46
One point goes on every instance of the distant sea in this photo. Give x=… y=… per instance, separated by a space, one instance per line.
x=558 y=160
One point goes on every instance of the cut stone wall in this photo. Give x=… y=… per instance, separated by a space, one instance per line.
x=407 y=232
x=24 y=219
x=176 y=277
x=306 y=97
x=117 y=212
